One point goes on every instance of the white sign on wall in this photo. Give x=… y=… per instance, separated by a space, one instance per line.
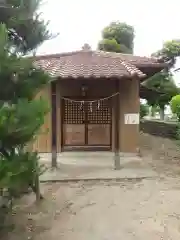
x=131 y=118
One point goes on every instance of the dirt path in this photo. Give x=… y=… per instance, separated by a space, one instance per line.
x=162 y=154
x=147 y=209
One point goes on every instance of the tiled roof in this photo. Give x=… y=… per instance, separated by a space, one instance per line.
x=96 y=64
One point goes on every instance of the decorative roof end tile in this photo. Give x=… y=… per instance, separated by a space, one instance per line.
x=86 y=47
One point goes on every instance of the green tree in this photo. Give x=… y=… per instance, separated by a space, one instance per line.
x=169 y=52
x=120 y=36
x=153 y=107
x=144 y=110
x=164 y=83
x=175 y=106
x=25 y=27
x=109 y=45
x=20 y=117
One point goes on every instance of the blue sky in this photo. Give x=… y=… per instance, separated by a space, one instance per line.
x=82 y=21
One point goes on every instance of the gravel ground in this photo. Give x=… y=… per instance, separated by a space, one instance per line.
x=162 y=154
x=147 y=209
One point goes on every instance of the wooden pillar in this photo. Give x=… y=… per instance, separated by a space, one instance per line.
x=59 y=117
x=117 y=130
x=113 y=124
x=53 y=122
x=129 y=103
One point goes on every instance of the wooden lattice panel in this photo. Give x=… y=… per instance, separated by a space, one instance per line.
x=95 y=113
x=73 y=113
x=99 y=113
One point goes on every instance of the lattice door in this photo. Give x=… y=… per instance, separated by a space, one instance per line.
x=87 y=124
x=73 y=124
x=99 y=123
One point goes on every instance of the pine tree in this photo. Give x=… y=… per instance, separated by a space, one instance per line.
x=26 y=29
x=20 y=117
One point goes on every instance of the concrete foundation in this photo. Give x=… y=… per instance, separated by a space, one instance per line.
x=94 y=166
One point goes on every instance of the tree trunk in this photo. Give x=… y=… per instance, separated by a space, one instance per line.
x=36 y=189
x=153 y=111
x=36 y=186
x=161 y=112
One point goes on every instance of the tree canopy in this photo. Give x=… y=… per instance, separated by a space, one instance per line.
x=109 y=45
x=169 y=52
x=117 y=37
x=162 y=82
x=25 y=27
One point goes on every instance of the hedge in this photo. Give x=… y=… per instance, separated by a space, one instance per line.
x=159 y=128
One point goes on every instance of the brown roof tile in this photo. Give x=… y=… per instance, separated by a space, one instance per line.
x=97 y=64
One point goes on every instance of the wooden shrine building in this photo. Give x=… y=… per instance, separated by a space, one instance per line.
x=94 y=98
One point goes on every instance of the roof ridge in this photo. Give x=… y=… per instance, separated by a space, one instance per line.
x=109 y=54
x=116 y=54
x=63 y=54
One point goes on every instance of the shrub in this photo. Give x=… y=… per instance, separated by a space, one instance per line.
x=175 y=106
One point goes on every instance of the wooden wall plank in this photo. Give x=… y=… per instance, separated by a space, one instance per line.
x=42 y=144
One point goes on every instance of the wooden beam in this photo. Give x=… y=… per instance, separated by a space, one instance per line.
x=117 y=130
x=53 y=125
